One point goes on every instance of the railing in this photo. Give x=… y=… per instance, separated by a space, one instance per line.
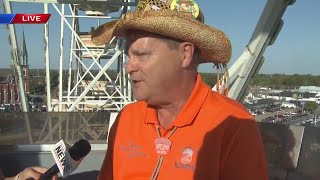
x=293 y=152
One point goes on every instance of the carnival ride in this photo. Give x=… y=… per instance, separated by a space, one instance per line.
x=90 y=89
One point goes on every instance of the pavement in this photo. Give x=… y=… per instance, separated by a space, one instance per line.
x=272 y=114
x=292 y=121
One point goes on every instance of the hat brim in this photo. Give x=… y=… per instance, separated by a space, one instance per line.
x=103 y=33
x=213 y=44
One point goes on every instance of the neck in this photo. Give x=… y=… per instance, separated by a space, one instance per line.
x=169 y=111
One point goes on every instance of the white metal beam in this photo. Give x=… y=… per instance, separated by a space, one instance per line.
x=120 y=95
x=47 y=59
x=16 y=58
x=61 y=57
x=102 y=71
x=251 y=60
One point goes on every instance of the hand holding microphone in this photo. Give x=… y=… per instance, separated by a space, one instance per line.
x=29 y=173
x=32 y=173
x=67 y=160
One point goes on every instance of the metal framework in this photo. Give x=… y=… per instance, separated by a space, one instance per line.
x=91 y=78
x=87 y=90
x=94 y=76
x=265 y=34
x=90 y=85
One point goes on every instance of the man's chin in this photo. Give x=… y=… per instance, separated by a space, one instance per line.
x=139 y=97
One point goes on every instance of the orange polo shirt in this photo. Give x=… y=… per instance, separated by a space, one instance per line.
x=216 y=138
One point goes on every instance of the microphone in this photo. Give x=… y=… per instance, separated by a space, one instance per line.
x=67 y=159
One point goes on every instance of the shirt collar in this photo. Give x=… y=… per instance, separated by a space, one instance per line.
x=190 y=109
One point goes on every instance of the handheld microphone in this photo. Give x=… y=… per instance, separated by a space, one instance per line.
x=67 y=160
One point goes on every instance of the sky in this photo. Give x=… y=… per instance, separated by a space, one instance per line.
x=295 y=51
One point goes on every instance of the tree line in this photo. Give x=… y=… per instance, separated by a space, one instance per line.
x=274 y=81
x=283 y=81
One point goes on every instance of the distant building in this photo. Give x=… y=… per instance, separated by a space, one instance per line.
x=288 y=105
x=25 y=72
x=294 y=97
x=317 y=96
x=9 y=87
x=310 y=89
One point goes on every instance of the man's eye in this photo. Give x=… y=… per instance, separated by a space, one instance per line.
x=141 y=53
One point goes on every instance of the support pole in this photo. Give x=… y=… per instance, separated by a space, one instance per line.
x=47 y=59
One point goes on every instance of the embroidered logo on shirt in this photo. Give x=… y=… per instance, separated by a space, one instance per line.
x=185 y=161
x=186 y=156
x=132 y=150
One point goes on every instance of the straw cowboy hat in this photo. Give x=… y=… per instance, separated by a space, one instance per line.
x=179 y=19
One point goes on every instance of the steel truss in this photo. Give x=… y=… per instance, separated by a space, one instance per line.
x=264 y=35
x=89 y=87
x=102 y=91
x=92 y=84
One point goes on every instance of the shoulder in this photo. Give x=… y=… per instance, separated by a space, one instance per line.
x=226 y=107
x=133 y=110
x=129 y=115
x=231 y=118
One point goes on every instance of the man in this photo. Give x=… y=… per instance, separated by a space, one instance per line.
x=178 y=128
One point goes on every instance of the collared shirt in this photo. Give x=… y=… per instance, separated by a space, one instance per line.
x=215 y=138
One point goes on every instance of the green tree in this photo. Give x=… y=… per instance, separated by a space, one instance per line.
x=209 y=78
x=284 y=81
x=54 y=79
x=40 y=89
x=311 y=106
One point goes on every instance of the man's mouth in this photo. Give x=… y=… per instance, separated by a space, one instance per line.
x=135 y=81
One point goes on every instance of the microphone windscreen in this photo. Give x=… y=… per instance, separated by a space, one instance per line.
x=80 y=149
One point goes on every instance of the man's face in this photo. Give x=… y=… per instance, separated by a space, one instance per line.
x=154 y=68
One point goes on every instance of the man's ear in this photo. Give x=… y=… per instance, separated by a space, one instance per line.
x=187 y=50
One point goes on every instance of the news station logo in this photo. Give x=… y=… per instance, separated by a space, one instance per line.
x=24 y=18
x=63 y=160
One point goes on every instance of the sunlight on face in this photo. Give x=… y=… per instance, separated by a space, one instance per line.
x=154 y=68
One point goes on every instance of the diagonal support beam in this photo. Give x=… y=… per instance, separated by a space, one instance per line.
x=102 y=71
x=265 y=33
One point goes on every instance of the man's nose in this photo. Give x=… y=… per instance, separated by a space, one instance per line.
x=131 y=66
